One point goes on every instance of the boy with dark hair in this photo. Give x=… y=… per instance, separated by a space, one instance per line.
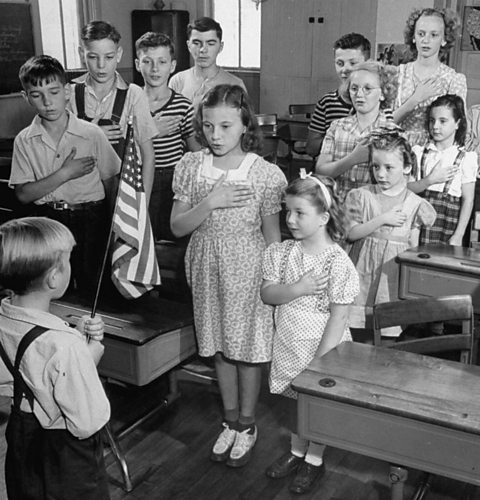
x=173 y=115
x=103 y=97
x=54 y=448
x=204 y=44
x=65 y=166
x=349 y=50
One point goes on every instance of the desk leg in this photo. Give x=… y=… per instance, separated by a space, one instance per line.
x=127 y=483
x=398 y=475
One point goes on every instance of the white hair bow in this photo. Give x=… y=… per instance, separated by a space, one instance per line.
x=323 y=188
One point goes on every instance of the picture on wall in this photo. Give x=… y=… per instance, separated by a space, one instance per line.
x=393 y=53
x=471 y=29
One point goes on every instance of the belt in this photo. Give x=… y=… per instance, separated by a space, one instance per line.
x=63 y=205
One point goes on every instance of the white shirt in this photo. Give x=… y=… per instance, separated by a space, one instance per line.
x=467 y=172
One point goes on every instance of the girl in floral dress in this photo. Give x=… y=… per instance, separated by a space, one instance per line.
x=429 y=33
x=312 y=282
x=229 y=199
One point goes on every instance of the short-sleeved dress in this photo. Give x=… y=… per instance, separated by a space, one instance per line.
x=376 y=266
x=223 y=262
x=415 y=123
x=299 y=324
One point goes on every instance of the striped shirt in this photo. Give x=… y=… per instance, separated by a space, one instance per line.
x=329 y=108
x=170 y=148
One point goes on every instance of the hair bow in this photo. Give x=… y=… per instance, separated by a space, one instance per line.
x=323 y=188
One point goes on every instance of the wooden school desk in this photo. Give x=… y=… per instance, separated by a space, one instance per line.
x=404 y=408
x=435 y=270
x=144 y=339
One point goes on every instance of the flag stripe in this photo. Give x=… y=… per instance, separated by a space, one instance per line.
x=134 y=264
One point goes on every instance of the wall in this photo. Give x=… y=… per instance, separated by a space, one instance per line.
x=389 y=29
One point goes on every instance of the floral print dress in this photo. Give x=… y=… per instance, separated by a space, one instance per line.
x=223 y=262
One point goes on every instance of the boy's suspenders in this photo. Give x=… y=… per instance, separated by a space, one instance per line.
x=117 y=110
x=458 y=160
x=20 y=388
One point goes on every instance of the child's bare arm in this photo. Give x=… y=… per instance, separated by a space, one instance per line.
x=271 y=228
x=186 y=218
x=439 y=174
x=468 y=194
x=394 y=217
x=281 y=293
x=72 y=168
x=93 y=329
x=334 y=328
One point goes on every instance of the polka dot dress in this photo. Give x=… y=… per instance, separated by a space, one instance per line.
x=300 y=323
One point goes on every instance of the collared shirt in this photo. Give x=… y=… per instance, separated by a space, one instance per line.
x=36 y=156
x=194 y=87
x=341 y=139
x=467 y=172
x=58 y=368
x=136 y=105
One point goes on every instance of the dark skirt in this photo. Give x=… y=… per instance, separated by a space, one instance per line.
x=448 y=212
x=52 y=464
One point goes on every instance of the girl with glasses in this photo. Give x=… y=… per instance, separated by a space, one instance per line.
x=344 y=154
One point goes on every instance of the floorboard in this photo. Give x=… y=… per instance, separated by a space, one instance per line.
x=174 y=445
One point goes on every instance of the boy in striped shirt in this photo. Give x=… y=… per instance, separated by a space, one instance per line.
x=173 y=115
x=349 y=50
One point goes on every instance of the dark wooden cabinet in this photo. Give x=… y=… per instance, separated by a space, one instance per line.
x=171 y=22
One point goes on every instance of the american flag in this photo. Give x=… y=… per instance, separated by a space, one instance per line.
x=134 y=263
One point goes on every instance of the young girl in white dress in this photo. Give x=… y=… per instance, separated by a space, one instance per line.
x=229 y=199
x=387 y=217
x=453 y=196
x=312 y=283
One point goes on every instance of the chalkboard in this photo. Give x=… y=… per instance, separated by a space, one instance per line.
x=16 y=43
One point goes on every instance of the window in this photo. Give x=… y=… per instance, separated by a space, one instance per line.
x=241 y=24
x=59 y=26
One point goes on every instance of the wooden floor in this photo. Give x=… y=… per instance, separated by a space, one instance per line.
x=175 y=445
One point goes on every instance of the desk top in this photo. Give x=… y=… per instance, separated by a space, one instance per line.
x=401 y=383
x=132 y=321
x=466 y=260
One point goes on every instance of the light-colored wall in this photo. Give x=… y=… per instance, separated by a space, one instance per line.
x=391 y=16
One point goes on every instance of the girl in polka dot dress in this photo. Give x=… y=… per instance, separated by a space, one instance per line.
x=312 y=282
x=229 y=199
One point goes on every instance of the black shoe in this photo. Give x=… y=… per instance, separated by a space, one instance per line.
x=306 y=476
x=283 y=466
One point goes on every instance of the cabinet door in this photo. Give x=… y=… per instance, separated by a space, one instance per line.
x=171 y=22
x=297 y=47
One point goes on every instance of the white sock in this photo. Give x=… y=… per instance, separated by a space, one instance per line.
x=314 y=454
x=298 y=445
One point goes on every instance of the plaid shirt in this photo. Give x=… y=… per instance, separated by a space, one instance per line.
x=341 y=139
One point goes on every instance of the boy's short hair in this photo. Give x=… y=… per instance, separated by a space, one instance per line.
x=29 y=248
x=41 y=69
x=354 y=41
x=152 y=40
x=204 y=24
x=99 y=30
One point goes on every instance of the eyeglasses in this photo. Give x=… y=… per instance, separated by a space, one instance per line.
x=366 y=90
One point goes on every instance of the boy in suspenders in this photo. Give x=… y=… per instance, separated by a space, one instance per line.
x=54 y=447
x=103 y=97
